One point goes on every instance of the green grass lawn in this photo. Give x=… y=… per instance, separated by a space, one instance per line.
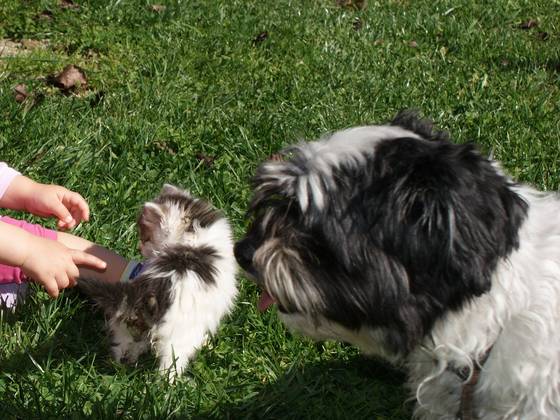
x=197 y=93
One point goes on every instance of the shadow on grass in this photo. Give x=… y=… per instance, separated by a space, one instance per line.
x=74 y=346
x=516 y=64
x=70 y=328
x=358 y=389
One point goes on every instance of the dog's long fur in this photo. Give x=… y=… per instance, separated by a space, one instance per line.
x=419 y=250
x=188 y=284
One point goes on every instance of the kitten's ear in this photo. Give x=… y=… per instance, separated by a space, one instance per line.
x=169 y=189
x=106 y=296
x=150 y=219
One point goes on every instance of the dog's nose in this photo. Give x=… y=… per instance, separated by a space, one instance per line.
x=244 y=251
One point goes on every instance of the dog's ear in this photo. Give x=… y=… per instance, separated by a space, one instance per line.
x=301 y=179
x=273 y=180
x=446 y=211
x=410 y=120
x=288 y=278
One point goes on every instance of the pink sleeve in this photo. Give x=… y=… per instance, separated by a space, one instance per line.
x=7 y=175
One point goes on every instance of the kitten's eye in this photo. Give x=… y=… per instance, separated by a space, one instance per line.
x=152 y=304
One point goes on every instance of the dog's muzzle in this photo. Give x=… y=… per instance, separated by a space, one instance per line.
x=244 y=251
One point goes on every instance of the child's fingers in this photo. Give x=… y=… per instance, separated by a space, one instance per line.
x=62 y=214
x=79 y=215
x=77 y=206
x=65 y=225
x=63 y=281
x=83 y=258
x=51 y=287
x=72 y=273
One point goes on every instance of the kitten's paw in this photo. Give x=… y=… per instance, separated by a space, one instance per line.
x=206 y=340
x=172 y=367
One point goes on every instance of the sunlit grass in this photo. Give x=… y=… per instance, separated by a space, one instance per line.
x=197 y=94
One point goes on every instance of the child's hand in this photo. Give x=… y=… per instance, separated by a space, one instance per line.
x=54 y=266
x=53 y=200
x=46 y=201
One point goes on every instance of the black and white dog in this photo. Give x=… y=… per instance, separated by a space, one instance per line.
x=421 y=251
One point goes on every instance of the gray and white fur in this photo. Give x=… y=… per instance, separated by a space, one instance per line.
x=187 y=286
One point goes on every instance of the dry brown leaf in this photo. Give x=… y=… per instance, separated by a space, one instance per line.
x=207 y=160
x=71 y=77
x=378 y=42
x=158 y=8
x=68 y=4
x=20 y=93
x=33 y=44
x=529 y=24
x=357 y=24
x=260 y=38
x=542 y=35
x=46 y=15
x=355 y=4
x=413 y=44
x=9 y=48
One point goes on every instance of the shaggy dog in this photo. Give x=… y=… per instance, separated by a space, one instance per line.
x=392 y=238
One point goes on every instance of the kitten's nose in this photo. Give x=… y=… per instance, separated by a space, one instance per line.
x=244 y=251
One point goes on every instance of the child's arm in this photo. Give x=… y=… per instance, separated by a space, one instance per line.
x=7 y=175
x=46 y=201
x=116 y=264
x=48 y=262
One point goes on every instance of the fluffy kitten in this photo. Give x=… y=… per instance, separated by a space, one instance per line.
x=187 y=283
